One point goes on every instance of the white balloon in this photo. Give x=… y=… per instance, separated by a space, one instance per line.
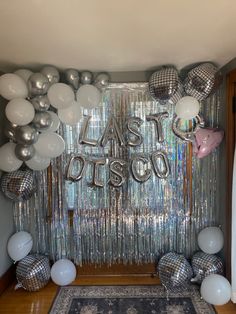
x=70 y=115
x=12 y=86
x=60 y=95
x=8 y=160
x=63 y=272
x=38 y=162
x=211 y=240
x=24 y=74
x=187 y=108
x=50 y=145
x=55 y=123
x=216 y=289
x=19 y=245
x=88 y=96
x=19 y=111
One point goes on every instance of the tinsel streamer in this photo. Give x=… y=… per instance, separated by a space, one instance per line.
x=138 y=221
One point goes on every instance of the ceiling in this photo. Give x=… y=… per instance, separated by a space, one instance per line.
x=122 y=35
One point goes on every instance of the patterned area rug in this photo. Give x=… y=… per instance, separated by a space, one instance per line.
x=128 y=300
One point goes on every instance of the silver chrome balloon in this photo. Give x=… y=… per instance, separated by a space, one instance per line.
x=204 y=264
x=164 y=83
x=160 y=164
x=42 y=120
x=38 y=84
x=117 y=175
x=174 y=271
x=33 y=272
x=18 y=185
x=187 y=135
x=135 y=138
x=158 y=118
x=10 y=130
x=86 y=77
x=40 y=103
x=101 y=80
x=24 y=152
x=51 y=73
x=72 y=78
x=26 y=135
x=146 y=173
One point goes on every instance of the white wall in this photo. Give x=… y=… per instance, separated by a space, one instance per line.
x=6 y=214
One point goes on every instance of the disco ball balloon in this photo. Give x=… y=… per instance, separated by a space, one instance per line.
x=204 y=264
x=175 y=271
x=18 y=185
x=201 y=81
x=164 y=84
x=33 y=272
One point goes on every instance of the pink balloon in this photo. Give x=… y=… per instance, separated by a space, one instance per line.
x=206 y=140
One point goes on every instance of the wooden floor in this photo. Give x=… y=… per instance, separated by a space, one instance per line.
x=23 y=302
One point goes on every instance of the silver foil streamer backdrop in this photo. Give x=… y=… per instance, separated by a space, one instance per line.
x=138 y=221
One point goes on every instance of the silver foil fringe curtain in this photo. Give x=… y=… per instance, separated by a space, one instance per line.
x=136 y=222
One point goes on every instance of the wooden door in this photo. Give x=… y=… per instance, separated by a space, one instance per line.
x=230 y=133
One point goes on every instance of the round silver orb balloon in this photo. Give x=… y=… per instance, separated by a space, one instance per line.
x=72 y=78
x=33 y=272
x=18 y=185
x=86 y=77
x=101 y=80
x=42 y=120
x=40 y=103
x=10 y=130
x=175 y=271
x=26 y=135
x=24 y=152
x=38 y=84
x=204 y=264
x=51 y=73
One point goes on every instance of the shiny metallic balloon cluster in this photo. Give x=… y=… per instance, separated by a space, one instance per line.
x=165 y=86
x=37 y=104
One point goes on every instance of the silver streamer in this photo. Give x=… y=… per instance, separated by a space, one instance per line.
x=137 y=221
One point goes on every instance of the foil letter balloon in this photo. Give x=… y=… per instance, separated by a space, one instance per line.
x=135 y=138
x=117 y=177
x=112 y=132
x=83 y=137
x=70 y=169
x=146 y=173
x=95 y=173
x=160 y=164
x=164 y=83
x=158 y=118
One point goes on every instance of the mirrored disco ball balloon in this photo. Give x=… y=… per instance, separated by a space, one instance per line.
x=38 y=84
x=40 y=103
x=26 y=135
x=51 y=73
x=33 y=272
x=18 y=185
x=86 y=77
x=201 y=80
x=42 y=120
x=204 y=264
x=163 y=84
x=175 y=271
x=177 y=95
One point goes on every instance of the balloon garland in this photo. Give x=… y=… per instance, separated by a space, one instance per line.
x=38 y=103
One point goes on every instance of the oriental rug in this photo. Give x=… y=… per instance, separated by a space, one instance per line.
x=128 y=300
